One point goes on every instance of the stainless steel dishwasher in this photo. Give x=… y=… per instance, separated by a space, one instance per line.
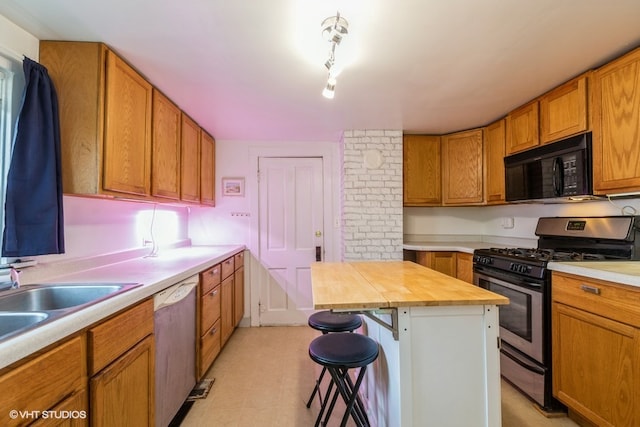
x=175 y=337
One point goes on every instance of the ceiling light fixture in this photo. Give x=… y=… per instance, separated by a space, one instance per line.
x=334 y=29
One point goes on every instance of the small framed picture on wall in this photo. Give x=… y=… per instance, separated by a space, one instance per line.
x=233 y=187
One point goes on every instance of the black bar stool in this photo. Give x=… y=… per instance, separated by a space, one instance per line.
x=326 y=322
x=338 y=353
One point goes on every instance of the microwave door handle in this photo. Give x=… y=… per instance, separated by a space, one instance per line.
x=558 y=176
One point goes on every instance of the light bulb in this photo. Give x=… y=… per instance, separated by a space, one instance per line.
x=330 y=89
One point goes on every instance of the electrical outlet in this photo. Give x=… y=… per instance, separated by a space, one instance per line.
x=507 y=222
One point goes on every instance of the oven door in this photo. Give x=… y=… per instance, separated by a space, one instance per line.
x=521 y=323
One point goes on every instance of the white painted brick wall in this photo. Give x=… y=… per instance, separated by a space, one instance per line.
x=372 y=197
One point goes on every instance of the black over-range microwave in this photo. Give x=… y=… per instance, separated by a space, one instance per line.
x=552 y=172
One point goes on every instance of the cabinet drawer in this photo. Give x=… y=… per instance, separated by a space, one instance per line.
x=607 y=299
x=210 y=308
x=45 y=381
x=238 y=260
x=210 y=278
x=227 y=267
x=112 y=338
x=210 y=347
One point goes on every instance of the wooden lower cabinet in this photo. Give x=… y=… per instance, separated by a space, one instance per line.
x=444 y=262
x=209 y=309
x=71 y=412
x=454 y=264
x=226 y=309
x=45 y=383
x=464 y=267
x=122 y=361
x=238 y=288
x=124 y=393
x=596 y=349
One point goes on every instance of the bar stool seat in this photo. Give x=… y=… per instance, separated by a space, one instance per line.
x=338 y=353
x=329 y=322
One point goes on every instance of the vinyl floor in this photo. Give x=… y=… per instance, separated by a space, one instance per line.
x=264 y=376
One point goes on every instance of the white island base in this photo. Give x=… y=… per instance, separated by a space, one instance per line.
x=443 y=371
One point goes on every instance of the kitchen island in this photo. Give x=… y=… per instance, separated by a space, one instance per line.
x=439 y=341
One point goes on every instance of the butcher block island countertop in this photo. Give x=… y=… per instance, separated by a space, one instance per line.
x=385 y=284
x=438 y=339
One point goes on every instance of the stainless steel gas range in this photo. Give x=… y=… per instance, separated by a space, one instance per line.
x=521 y=274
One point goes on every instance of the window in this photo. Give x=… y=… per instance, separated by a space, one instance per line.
x=11 y=88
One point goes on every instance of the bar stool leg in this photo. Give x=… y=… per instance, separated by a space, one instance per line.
x=316 y=389
x=348 y=392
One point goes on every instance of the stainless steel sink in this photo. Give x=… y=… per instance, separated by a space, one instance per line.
x=11 y=322
x=31 y=306
x=57 y=297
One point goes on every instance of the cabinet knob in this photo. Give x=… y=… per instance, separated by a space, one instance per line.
x=213 y=331
x=214 y=293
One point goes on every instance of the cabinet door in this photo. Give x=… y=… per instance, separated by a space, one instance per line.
x=127 y=134
x=75 y=406
x=616 y=126
x=563 y=111
x=43 y=382
x=190 y=165
x=226 y=309
x=494 y=150
x=421 y=170
x=522 y=128
x=123 y=393
x=207 y=170
x=210 y=308
x=596 y=370
x=462 y=174
x=464 y=267
x=444 y=262
x=165 y=170
x=238 y=296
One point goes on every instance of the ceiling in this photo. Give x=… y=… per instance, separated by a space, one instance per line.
x=253 y=69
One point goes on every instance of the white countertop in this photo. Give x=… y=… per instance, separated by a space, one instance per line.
x=155 y=274
x=625 y=272
x=467 y=247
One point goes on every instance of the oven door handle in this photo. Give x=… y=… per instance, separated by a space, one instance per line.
x=522 y=286
x=521 y=361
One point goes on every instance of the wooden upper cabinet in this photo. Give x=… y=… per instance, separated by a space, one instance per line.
x=110 y=117
x=563 y=111
x=190 y=164
x=522 y=128
x=462 y=168
x=127 y=134
x=105 y=120
x=207 y=170
x=616 y=126
x=494 y=151
x=165 y=170
x=422 y=170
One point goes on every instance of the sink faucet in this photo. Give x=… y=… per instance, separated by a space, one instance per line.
x=15 y=278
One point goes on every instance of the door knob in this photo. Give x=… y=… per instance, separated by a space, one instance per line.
x=318 y=233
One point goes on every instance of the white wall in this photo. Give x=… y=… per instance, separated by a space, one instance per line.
x=372 y=194
x=233 y=219
x=487 y=220
x=16 y=42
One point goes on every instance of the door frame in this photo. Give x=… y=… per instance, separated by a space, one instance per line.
x=329 y=152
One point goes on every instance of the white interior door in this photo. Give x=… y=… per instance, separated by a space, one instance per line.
x=291 y=228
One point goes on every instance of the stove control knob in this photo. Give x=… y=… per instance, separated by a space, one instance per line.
x=520 y=268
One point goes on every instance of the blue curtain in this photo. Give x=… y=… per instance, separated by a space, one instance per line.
x=33 y=206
